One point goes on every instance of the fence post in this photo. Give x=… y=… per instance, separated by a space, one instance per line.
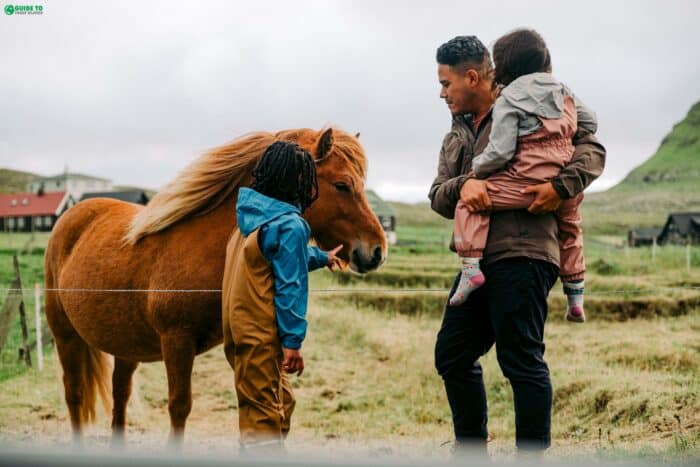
x=38 y=327
x=653 y=250
x=22 y=316
x=687 y=256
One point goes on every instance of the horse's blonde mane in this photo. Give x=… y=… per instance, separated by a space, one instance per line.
x=203 y=185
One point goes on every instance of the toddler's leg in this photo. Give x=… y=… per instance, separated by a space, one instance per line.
x=470 y=233
x=574 y=297
x=573 y=265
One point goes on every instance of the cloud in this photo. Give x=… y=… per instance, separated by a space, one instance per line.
x=133 y=91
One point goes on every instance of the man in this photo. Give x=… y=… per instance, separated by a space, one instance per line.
x=521 y=260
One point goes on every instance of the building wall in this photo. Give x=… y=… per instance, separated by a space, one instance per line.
x=75 y=186
x=27 y=224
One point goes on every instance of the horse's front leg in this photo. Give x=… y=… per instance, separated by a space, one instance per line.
x=178 y=354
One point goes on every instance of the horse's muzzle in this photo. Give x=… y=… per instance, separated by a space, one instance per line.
x=362 y=263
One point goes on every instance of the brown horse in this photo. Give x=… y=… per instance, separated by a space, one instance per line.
x=157 y=264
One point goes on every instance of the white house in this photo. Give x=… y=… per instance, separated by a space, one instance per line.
x=74 y=183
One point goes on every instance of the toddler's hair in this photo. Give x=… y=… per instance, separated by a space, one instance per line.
x=519 y=53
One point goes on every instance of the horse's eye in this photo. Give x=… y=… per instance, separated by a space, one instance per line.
x=343 y=187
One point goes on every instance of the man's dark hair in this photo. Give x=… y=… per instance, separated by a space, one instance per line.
x=519 y=53
x=287 y=172
x=463 y=50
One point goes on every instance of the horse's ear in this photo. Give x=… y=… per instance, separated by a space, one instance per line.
x=325 y=143
x=357 y=135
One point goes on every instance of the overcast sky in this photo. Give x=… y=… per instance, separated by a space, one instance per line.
x=133 y=91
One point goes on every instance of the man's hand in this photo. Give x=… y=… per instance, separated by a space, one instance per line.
x=475 y=195
x=293 y=361
x=546 y=198
x=333 y=260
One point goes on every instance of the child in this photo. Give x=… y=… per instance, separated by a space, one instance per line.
x=265 y=292
x=534 y=120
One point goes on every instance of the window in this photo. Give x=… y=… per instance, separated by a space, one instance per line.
x=11 y=223
x=37 y=221
x=20 y=222
x=47 y=221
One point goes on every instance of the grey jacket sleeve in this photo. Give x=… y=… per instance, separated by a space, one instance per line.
x=444 y=192
x=503 y=140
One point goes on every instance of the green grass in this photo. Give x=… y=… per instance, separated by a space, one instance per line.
x=621 y=391
x=32 y=272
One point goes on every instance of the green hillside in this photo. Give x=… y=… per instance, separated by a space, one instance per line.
x=668 y=182
x=676 y=164
x=14 y=181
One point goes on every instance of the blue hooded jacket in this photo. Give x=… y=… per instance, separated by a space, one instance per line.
x=283 y=239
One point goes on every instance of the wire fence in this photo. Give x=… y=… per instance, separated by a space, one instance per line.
x=345 y=290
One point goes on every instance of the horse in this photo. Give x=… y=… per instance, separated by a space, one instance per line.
x=141 y=283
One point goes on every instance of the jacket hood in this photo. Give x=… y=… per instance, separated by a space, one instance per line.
x=254 y=209
x=537 y=93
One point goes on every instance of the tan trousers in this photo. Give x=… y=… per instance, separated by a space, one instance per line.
x=252 y=345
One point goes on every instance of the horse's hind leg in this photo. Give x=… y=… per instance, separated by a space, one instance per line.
x=70 y=353
x=121 y=390
x=178 y=355
x=85 y=373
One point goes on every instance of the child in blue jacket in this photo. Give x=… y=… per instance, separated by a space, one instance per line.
x=265 y=291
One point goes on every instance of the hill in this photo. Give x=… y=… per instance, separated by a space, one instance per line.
x=676 y=164
x=14 y=181
x=669 y=181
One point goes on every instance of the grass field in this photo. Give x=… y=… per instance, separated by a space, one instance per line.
x=370 y=386
x=626 y=383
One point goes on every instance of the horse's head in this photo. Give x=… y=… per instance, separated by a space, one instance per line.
x=341 y=214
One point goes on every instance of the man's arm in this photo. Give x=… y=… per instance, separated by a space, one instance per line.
x=444 y=192
x=585 y=166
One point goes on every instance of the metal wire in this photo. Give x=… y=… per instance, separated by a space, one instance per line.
x=342 y=290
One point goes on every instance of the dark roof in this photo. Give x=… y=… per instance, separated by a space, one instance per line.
x=378 y=205
x=686 y=223
x=138 y=197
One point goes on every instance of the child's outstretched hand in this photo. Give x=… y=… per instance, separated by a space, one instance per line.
x=333 y=260
x=293 y=361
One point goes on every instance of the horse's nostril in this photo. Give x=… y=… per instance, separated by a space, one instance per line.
x=377 y=254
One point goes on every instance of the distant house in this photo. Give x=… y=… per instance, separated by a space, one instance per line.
x=132 y=196
x=643 y=237
x=385 y=213
x=27 y=212
x=74 y=183
x=681 y=228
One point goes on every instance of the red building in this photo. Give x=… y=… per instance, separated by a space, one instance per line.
x=27 y=212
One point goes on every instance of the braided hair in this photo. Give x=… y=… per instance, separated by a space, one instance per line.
x=287 y=172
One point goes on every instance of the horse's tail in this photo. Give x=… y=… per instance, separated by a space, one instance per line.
x=86 y=370
x=97 y=378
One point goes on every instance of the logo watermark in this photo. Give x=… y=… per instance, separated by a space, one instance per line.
x=11 y=10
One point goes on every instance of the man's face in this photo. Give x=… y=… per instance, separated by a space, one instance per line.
x=463 y=89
